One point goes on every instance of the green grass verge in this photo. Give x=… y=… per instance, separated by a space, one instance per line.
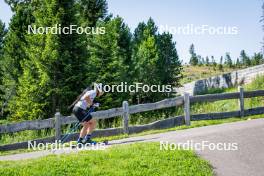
x=134 y=159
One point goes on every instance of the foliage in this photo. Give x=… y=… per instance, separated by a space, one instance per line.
x=54 y=70
x=243 y=61
x=244 y=58
x=2 y=35
x=193 y=60
x=109 y=62
x=228 y=60
x=42 y=73
x=90 y=11
x=14 y=48
x=155 y=60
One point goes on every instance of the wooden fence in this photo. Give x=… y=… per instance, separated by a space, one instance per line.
x=126 y=110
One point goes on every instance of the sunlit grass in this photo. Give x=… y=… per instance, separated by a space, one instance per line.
x=134 y=159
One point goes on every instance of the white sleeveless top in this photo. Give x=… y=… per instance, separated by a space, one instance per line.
x=82 y=102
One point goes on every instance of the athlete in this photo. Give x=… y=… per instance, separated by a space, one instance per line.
x=86 y=102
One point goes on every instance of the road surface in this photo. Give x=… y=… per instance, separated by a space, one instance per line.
x=245 y=159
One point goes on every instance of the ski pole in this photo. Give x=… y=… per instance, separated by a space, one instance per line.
x=65 y=137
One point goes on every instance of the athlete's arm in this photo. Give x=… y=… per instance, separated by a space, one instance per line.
x=88 y=100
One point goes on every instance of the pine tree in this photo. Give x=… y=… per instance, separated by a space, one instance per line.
x=14 y=47
x=2 y=35
x=139 y=35
x=238 y=64
x=193 y=59
x=110 y=55
x=109 y=62
x=213 y=61
x=156 y=60
x=3 y=32
x=53 y=73
x=145 y=58
x=228 y=60
x=169 y=65
x=200 y=62
x=90 y=11
x=257 y=59
x=207 y=62
x=146 y=65
x=244 y=58
x=220 y=66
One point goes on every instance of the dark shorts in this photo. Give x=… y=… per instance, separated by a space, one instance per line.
x=83 y=115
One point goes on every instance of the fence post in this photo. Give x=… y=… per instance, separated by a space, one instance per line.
x=187 y=109
x=57 y=125
x=241 y=101
x=125 y=117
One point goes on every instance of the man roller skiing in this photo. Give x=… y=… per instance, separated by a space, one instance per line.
x=80 y=111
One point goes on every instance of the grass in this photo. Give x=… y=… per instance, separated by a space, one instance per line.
x=134 y=159
x=232 y=105
x=25 y=136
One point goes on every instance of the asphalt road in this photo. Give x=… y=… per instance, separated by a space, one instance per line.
x=241 y=146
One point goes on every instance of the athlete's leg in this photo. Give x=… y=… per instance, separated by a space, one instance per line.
x=91 y=126
x=90 y=129
x=83 y=131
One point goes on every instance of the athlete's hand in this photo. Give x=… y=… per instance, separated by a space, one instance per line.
x=96 y=105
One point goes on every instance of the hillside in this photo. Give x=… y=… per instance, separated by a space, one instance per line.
x=191 y=73
x=231 y=105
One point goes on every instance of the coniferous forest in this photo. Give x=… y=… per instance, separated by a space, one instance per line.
x=42 y=73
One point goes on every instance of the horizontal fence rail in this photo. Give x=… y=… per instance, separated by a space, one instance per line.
x=28 y=125
x=225 y=96
x=124 y=111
